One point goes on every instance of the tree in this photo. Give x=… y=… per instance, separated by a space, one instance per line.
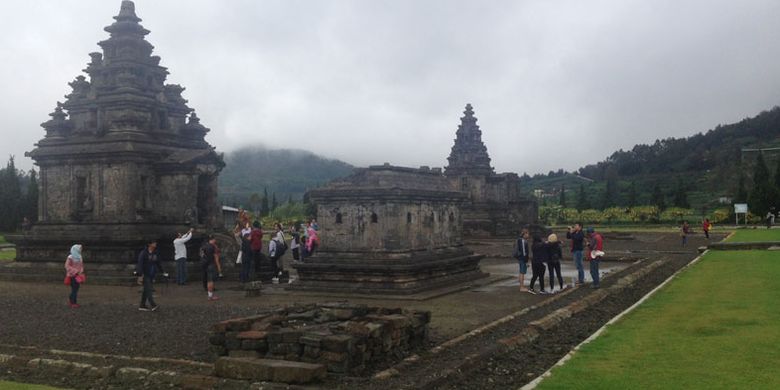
x=289 y=199
x=254 y=201
x=10 y=197
x=632 y=194
x=264 y=208
x=31 y=198
x=741 y=191
x=680 y=195
x=777 y=176
x=610 y=193
x=658 y=197
x=762 y=195
x=563 y=196
x=274 y=203
x=582 y=199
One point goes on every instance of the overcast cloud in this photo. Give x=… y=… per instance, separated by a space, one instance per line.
x=555 y=84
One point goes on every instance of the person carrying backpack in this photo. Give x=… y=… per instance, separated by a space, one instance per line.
x=522 y=253
x=276 y=249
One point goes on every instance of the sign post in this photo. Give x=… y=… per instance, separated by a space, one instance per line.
x=740 y=208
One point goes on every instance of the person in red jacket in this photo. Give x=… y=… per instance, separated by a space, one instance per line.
x=595 y=253
x=706 y=226
x=256 y=242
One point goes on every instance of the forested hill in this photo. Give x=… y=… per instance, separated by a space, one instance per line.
x=698 y=153
x=284 y=172
x=704 y=167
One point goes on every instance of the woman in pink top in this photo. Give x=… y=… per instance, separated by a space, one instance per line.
x=74 y=269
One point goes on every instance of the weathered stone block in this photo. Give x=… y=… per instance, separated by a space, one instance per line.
x=254 y=345
x=240 y=353
x=269 y=370
x=338 y=343
x=252 y=335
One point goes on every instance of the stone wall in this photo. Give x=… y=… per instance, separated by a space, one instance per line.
x=345 y=338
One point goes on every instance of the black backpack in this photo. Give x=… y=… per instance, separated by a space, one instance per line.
x=203 y=253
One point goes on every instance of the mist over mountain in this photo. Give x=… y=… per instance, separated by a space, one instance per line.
x=288 y=173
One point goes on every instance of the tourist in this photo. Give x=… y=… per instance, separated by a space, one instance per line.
x=256 y=240
x=595 y=254
x=312 y=240
x=554 y=260
x=180 y=250
x=314 y=225
x=247 y=255
x=540 y=255
x=276 y=248
x=577 y=238
x=706 y=226
x=209 y=258
x=295 y=242
x=770 y=219
x=685 y=230
x=146 y=269
x=522 y=253
x=74 y=274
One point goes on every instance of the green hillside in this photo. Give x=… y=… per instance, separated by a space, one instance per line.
x=284 y=172
x=705 y=166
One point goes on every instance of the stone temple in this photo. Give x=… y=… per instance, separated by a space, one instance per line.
x=496 y=206
x=389 y=230
x=124 y=159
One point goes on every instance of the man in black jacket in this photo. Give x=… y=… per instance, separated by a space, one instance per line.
x=146 y=269
x=577 y=238
x=522 y=253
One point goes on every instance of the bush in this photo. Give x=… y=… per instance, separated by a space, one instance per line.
x=675 y=214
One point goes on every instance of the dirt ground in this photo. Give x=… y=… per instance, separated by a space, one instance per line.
x=109 y=322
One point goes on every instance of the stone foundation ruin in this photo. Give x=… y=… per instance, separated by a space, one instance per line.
x=340 y=337
x=388 y=230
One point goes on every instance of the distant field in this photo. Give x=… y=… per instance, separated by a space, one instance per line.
x=23 y=386
x=755 y=235
x=704 y=330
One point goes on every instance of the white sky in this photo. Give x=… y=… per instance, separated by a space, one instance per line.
x=555 y=84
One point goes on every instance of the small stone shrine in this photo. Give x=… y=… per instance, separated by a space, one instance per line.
x=124 y=159
x=496 y=206
x=388 y=230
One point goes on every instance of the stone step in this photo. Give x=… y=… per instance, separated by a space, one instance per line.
x=269 y=370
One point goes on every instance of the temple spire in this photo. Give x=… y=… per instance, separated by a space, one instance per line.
x=469 y=155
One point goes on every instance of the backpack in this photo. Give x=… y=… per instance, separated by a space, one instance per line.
x=204 y=260
x=516 y=250
x=281 y=248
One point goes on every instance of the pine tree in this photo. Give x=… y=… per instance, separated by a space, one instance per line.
x=741 y=191
x=563 y=196
x=10 y=197
x=582 y=199
x=632 y=195
x=610 y=193
x=274 y=203
x=289 y=199
x=761 y=196
x=680 y=195
x=264 y=208
x=31 y=198
x=658 y=199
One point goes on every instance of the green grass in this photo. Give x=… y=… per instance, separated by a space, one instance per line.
x=2 y=239
x=714 y=327
x=6 y=255
x=23 y=386
x=755 y=235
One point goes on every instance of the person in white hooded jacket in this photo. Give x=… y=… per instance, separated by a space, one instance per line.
x=180 y=250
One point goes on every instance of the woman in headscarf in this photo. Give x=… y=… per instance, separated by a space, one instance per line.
x=74 y=271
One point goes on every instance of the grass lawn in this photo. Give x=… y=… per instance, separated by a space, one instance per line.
x=754 y=235
x=23 y=386
x=710 y=328
x=7 y=255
